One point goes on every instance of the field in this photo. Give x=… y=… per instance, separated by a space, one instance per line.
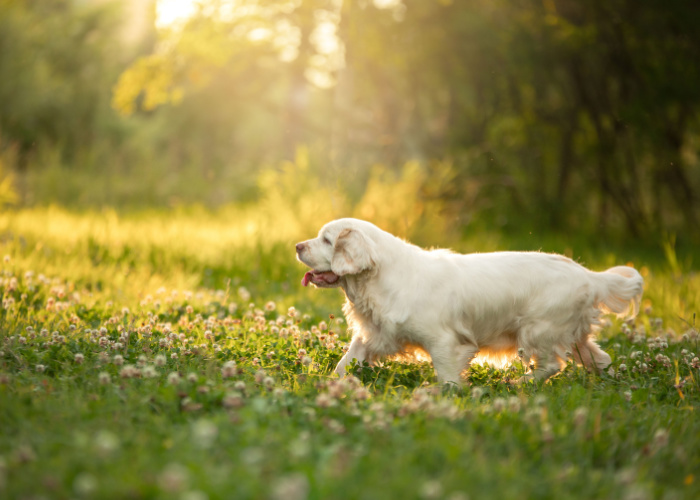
x=176 y=355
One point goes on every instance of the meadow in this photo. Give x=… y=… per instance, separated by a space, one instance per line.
x=175 y=355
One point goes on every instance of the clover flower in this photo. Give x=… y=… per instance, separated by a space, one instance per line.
x=79 y=358
x=173 y=478
x=129 y=371
x=291 y=487
x=499 y=404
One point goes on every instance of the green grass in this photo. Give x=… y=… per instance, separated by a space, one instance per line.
x=94 y=309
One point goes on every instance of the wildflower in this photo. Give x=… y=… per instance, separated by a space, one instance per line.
x=85 y=484
x=259 y=376
x=268 y=382
x=580 y=415
x=627 y=395
x=229 y=369
x=174 y=378
x=291 y=487
x=661 y=438
x=431 y=489
x=192 y=377
x=239 y=386
x=514 y=404
x=160 y=360
x=173 y=478
x=40 y=368
x=148 y=371
x=129 y=371
x=499 y=404
x=270 y=306
x=106 y=443
x=623 y=367
x=477 y=392
x=244 y=294
x=204 y=433
x=232 y=400
x=306 y=361
x=173 y=355
x=292 y=312
x=547 y=434
x=324 y=400
x=104 y=378
x=118 y=359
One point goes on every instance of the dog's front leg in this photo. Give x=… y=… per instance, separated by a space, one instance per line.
x=357 y=350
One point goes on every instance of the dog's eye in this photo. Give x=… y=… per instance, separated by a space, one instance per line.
x=326 y=241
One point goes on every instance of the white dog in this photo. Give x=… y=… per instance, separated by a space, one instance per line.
x=400 y=298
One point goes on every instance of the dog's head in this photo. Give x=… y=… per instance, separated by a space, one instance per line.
x=343 y=247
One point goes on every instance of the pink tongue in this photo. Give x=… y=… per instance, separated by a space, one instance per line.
x=307 y=277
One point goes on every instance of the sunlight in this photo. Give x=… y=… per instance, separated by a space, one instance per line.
x=171 y=12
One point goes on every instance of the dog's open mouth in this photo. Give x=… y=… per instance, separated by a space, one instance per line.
x=320 y=278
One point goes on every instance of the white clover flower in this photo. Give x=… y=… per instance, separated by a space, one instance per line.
x=173 y=478
x=580 y=415
x=499 y=404
x=106 y=443
x=204 y=433
x=160 y=360
x=174 y=378
x=104 y=378
x=661 y=438
x=244 y=294
x=291 y=487
x=79 y=358
x=40 y=368
x=514 y=404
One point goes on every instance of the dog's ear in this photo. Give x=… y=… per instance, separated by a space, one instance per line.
x=353 y=253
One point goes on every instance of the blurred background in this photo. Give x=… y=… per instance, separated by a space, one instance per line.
x=431 y=116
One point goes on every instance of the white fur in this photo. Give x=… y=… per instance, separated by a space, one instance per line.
x=401 y=297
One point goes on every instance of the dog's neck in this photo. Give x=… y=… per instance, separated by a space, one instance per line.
x=355 y=285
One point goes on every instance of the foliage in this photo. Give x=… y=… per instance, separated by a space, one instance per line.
x=176 y=356
x=566 y=115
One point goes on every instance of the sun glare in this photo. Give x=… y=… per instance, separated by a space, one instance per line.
x=170 y=12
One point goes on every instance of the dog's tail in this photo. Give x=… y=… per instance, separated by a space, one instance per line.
x=621 y=290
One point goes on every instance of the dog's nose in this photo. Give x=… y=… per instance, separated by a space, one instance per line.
x=300 y=247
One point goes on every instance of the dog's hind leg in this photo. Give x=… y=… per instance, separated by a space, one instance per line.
x=590 y=355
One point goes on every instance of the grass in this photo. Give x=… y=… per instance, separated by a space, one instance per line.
x=155 y=355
